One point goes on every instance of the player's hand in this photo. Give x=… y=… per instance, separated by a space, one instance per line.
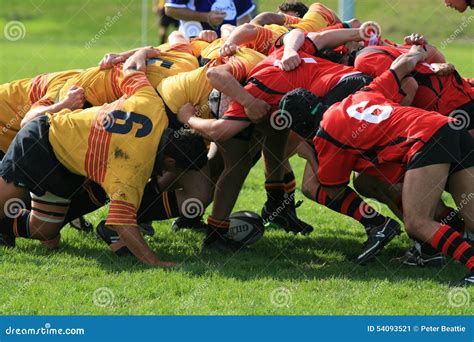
x=415 y=39
x=110 y=59
x=228 y=49
x=257 y=110
x=215 y=18
x=186 y=112
x=290 y=61
x=75 y=98
x=421 y=50
x=355 y=23
x=443 y=69
x=208 y=36
x=147 y=261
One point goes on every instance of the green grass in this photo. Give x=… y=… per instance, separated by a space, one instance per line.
x=281 y=274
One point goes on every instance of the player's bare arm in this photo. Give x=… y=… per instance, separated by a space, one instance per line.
x=243 y=34
x=222 y=79
x=74 y=100
x=406 y=63
x=212 y=129
x=267 y=18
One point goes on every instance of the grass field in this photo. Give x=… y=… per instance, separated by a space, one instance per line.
x=282 y=274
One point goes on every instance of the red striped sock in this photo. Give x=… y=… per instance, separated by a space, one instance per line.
x=448 y=241
x=222 y=226
x=351 y=204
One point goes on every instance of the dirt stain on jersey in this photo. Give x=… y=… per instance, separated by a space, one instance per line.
x=119 y=154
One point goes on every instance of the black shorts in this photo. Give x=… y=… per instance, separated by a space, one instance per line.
x=447 y=146
x=468 y=119
x=30 y=163
x=347 y=86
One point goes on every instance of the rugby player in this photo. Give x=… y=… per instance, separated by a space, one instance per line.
x=393 y=141
x=269 y=83
x=119 y=146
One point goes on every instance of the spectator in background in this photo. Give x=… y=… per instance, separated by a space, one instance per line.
x=295 y=9
x=196 y=15
x=459 y=5
x=164 y=21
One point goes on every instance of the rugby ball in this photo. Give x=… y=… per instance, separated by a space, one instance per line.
x=246 y=227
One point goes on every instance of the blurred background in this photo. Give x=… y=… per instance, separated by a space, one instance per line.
x=49 y=35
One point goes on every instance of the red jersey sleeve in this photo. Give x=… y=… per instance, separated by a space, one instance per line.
x=335 y=164
x=388 y=85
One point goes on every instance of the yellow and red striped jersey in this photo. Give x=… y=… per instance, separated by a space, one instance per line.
x=18 y=97
x=115 y=145
x=102 y=86
x=316 y=19
x=194 y=87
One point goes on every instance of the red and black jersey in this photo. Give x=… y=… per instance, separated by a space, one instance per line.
x=370 y=132
x=442 y=94
x=269 y=83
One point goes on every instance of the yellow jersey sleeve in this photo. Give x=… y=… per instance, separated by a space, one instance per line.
x=114 y=145
x=48 y=87
x=242 y=62
x=100 y=86
x=212 y=50
x=266 y=37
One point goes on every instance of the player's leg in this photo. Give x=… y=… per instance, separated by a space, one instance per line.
x=280 y=207
x=44 y=220
x=238 y=157
x=424 y=184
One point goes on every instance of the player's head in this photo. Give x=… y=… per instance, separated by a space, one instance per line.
x=218 y=103
x=304 y=111
x=295 y=9
x=180 y=150
x=459 y=5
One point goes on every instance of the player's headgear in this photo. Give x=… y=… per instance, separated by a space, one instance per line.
x=305 y=111
x=185 y=147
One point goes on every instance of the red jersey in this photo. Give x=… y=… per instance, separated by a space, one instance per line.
x=369 y=131
x=268 y=82
x=442 y=94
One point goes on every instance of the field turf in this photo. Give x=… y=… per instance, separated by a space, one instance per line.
x=282 y=274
